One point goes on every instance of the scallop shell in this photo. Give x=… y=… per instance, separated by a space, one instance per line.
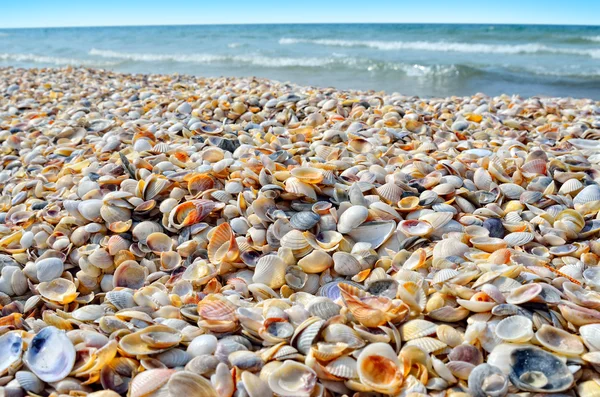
x=270 y=270
x=417 y=328
x=518 y=239
x=389 y=193
x=587 y=194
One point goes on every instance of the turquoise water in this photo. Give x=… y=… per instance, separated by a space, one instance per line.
x=425 y=60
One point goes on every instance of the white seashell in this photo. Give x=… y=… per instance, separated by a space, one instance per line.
x=270 y=270
x=48 y=269
x=50 y=355
x=352 y=218
x=516 y=329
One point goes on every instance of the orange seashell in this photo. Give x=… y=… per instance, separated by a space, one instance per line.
x=500 y=257
x=222 y=246
x=200 y=183
x=216 y=308
x=190 y=212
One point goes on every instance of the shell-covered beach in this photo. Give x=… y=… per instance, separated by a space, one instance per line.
x=171 y=235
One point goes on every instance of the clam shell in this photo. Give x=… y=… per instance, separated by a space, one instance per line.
x=417 y=328
x=379 y=368
x=352 y=218
x=11 y=344
x=375 y=233
x=516 y=329
x=533 y=369
x=50 y=355
x=292 y=379
x=304 y=220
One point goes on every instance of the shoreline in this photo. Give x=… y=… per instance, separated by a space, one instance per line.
x=291 y=85
x=171 y=234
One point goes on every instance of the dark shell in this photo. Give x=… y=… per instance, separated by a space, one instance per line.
x=304 y=220
x=387 y=288
x=494 y=226
x=536 y=370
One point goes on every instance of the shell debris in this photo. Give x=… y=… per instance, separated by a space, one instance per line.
x=235 y=236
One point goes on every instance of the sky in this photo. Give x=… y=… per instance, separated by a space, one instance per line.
x=62 y=13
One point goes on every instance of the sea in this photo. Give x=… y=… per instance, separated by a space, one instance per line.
x=428 y=60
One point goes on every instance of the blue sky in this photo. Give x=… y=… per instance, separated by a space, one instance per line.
x=53 y=13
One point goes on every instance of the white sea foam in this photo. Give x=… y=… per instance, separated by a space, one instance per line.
x=593 y=38
x=53 y=60
x=284 y=62
x=442 y=46
x=235 y=45
x=256 y=60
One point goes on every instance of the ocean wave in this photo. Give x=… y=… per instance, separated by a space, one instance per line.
x=53 y=60
x=442 y=46
x=3 y=34
x=235 y=45
x=336 y=60
x=593 y=38
x=256 y=60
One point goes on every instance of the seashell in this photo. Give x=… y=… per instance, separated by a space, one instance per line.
x=304 y=220
x=190 y=212
x=306 y=333
x=147 y=382
x=159 y=242
x=415 y=227
x=254 y=386
x=142 y=230
x=488 y=244
x=29 y=382
x=316 y=262
x=90 y=209
x=524 y=294
x=222 y=246
x=587 y=194
x=347 y=264
x=437 y=220
x=50 y=355
x=533 y=369
x=270 y=270
x=590 y=334
x=292 y=379
x=185 y=383
x=341 y=333
x=202 y=365
x=49 y=269
x=307 y=175
x=389 y=193
x=246 y=360
x=352 y=218
x=379 y=368
x=427 y=344
x=174 y=358
x=129 y=274
x=343 y=367
x=375 y=233
x=482 y=179
x=486 y=380
x=150 y=340
x=518 y=238
x=58 y=290
x=560 y=341
x=11 y=343
x=516 y=329
x=120 y=299
x=324 y=308
x=449 y=335
x=202 y=345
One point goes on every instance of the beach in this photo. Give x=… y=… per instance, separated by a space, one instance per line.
x=170 y=234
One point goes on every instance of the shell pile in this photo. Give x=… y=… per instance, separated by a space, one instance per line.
x=181 y=236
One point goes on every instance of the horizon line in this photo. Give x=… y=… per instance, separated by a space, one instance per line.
x=298 y=23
